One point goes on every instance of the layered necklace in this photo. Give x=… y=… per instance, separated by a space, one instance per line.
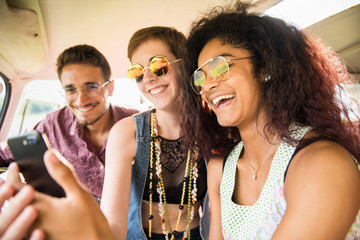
x=189 y=179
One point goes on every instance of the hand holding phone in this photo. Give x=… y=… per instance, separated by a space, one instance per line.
x=28 y=150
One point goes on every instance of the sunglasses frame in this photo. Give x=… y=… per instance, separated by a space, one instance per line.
x=208 y=62
x=143 y=69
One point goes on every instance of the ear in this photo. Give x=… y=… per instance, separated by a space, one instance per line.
x=111 y=87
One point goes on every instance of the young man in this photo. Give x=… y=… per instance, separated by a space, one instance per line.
x=80 y=130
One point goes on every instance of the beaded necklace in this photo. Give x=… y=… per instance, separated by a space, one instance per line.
x=190 y=175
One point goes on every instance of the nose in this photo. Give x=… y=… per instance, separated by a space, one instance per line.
x=209 y=84
x=81 y=98
x=148 y=76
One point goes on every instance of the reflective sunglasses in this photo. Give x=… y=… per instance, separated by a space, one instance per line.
x=159 y=66
x=90 y=90
x=218 y=69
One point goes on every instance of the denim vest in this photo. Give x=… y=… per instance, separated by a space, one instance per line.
x=138 y=178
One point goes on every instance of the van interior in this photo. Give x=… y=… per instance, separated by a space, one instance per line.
x=34 y=32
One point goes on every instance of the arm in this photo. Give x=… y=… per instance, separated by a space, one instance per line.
x=214 y=175
x=120 y=153
x=322 y=193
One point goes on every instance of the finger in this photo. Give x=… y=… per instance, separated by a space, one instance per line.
x=63 y=160
x=13 y=176
x=21 y=225
x=37 y=234
x=6 y=192
x=62 y=174
x=15 y=208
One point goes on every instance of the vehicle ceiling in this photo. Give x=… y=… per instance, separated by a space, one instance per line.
x=30 y=51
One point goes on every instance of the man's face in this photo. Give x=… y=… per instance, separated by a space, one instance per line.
x=87 y=110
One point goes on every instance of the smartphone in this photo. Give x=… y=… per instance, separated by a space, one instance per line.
x=28 y=150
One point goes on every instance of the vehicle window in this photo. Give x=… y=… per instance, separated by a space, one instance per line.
x=39 y=98
x=2 y=92
x=4 y=97
x=127 y=94
x=352 y=100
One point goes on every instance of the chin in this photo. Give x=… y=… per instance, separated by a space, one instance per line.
x=161 y=106
x=224 y=122
x=87 y=122
x=84 y=123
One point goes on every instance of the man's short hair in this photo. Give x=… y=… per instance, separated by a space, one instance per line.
x=83 y=54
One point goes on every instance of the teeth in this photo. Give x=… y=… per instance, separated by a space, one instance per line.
x=218 y=99
x=85 y=109
x=157 y=90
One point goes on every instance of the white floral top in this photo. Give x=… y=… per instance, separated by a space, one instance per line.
x=260 y=220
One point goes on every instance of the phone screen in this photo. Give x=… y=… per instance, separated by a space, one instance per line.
x=28 y=150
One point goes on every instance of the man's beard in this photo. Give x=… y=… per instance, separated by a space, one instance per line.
x=87 y=123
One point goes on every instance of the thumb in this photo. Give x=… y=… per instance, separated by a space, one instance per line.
x=63 y=174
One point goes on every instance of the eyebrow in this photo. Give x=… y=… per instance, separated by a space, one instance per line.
x=85 y=84
x=209 y=60
x=222 y=54
x=149 y=60
x=227 y=55
x=153 y=57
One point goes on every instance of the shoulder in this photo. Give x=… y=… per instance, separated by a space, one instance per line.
x=216 y=163
x=322 y=186
x=323 y=166
x=128 y=125
x=121 y=141
x=215 y=170
x=123 y=127
x=61 y=116
x=323 y=155
x=121 y=112
x=64 y=112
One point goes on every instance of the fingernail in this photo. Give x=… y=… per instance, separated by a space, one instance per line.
x=49 y=156
x=12 y=166
x=29 y=213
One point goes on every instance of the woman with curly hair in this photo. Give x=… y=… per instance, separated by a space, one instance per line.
x=265 y=104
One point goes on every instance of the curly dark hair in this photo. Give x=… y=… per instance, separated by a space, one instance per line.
x=304 y=85
x=83 y=54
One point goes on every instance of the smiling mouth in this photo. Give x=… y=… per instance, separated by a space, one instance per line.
x=85 y=109
x=217 y=101
x=157 y=90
